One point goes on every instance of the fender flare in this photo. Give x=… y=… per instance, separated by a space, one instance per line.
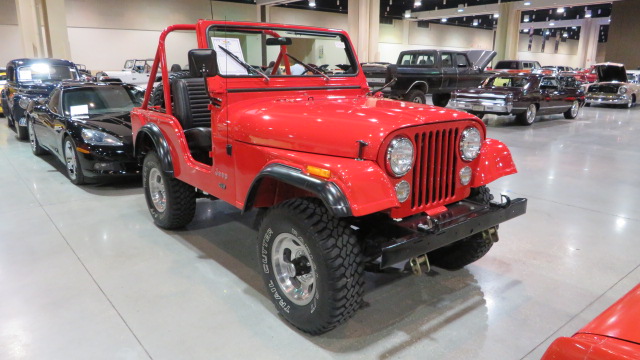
x=327 y=191
x=494 y=162
x=160 y=144
x=417 y=83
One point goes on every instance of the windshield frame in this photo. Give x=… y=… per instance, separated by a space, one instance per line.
x=252 y=29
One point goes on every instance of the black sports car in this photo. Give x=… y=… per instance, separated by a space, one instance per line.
x=88 y=127
x=27 y=80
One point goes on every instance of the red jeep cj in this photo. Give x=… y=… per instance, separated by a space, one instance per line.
x=341 y=179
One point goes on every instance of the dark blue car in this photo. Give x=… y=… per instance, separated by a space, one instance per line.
x=30 y=79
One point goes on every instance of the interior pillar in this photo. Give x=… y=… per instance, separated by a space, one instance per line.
x=374 y=30
x=55 y=29
x=29 y=25
x=364 y=28
x=507 y=32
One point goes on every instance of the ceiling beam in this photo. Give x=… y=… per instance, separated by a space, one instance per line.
x=562 y=23
x=274 y=2
x=495 y=8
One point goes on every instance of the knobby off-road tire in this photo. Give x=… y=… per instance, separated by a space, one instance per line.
x=464 y=252
x=416 y=96
x=171 y=202
x=157 y=94
x=300 y=237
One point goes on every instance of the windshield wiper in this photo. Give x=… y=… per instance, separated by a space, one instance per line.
x=309 y=67
x=244 y=64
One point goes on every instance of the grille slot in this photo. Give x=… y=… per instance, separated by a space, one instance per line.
x=435 y=167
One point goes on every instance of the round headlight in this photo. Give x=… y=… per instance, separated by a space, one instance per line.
x=622 y=90
x=399 y=156
x=24 y=103
x=403 y=190
x=470 y=143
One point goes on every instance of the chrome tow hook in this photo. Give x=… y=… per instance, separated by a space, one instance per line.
x=418 y=262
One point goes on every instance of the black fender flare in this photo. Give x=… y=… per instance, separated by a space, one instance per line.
x=327 y=191
x=417 y=84
x=160 y=145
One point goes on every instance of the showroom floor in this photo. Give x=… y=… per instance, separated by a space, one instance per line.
x=84 y=273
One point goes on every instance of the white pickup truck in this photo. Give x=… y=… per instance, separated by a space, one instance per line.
x=135 y=71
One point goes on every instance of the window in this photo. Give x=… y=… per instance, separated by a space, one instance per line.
x=240 y=52
x=507 y=81
x=44 y=72
x=128 y=65
x=54 y=101
x=548 y=82
x=512 y=65
x=461 y=61
x=447 y=60
x=98 y=100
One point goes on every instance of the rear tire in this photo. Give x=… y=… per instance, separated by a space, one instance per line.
x=462 y=253
x=157 y=95
x=171 y=202
x=416 y=96
x=311 y=265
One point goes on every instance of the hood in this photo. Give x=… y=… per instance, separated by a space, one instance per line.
x=611 y=73
x=330 y=126
x=619 y=321
x=480 y=58
x=115 y=123
x=496 y=93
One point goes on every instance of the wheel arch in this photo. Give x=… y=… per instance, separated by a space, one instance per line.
x=290 y=182
x=148 y=138
x=418 y=85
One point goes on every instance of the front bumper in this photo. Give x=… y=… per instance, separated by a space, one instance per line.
x=107 y=163
x=482 y=105
x=607 y=99
x=422 y=234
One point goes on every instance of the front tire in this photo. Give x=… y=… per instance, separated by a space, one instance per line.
x=529 y=116
x=311 y=265
x=416 y=96
x=72 y=162
x=36 y=149
x=572 y=113
x=23 y=133
x=171 y=202
x=464 y=252
x=440 y=99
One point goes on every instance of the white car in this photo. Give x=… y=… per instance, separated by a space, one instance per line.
x=135 y=71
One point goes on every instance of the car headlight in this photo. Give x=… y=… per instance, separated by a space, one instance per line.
x=622 y=90
x=95 y=137
x=400 y=156
x=24 y=102
x=470 y=143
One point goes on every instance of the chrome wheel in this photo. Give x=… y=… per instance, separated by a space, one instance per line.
x=32 y=136
x=575 y=108
x=531 y=113
x=70 y=160
x=293 y=269
x=157 y=190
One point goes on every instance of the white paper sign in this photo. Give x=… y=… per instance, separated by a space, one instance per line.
x=24 y=74
x=79 y=110
x=226 y=64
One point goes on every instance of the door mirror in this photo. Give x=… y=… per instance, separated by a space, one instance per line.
x=278 y=41
x=203 y=63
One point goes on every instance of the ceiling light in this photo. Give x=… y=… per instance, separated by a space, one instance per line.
x=560 y=10
x=407 y=13
x=551 y=23
x=475 y=22
x=417 y=3
x=443 y=20
x=527 y=3
x=312 y=3
x=496 y=15
x=566 y=35
x=587 y=13
x=526 y=18
x=460 y=8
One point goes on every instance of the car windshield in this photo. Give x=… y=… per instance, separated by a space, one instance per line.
x=506 y=81
x=45 y=72
x=99 y=100
x=281 y=52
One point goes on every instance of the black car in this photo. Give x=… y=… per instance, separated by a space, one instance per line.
x=88 y=127
x=29 y=79
x=525 y=95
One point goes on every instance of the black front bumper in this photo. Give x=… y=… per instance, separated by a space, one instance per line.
x=422 y=234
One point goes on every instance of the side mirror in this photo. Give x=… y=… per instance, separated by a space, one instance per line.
x=203 y=63
x=278 y=41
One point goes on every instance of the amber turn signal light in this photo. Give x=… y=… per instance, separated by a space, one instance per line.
x=323 y=173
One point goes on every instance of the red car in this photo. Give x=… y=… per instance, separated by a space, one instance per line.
x=613 y=335
x=341 y=179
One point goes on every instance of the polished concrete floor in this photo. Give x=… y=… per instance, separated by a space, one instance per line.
x=84 y=273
